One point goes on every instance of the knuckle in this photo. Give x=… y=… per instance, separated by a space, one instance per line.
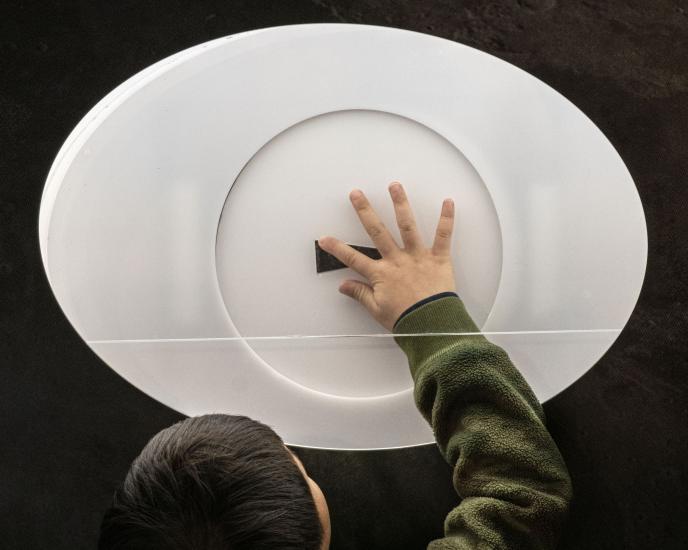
x=375 y=231
x=351 y=259
x=406 y=227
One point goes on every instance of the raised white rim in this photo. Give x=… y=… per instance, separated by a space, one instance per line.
x=121 y=94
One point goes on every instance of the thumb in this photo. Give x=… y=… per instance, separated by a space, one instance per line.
x=360 y=292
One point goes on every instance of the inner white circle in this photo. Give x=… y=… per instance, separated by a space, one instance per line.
x=295 y=189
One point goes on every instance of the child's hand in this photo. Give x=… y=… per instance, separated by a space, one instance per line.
x=403 y=276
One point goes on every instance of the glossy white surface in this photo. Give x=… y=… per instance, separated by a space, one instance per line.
x=132 y=209
x=296 y=189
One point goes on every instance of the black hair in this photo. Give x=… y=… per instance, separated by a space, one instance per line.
x=213 y=482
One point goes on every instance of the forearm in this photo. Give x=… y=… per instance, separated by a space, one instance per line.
x=489 y=425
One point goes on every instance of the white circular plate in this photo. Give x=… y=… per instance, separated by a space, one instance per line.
x=170 y=277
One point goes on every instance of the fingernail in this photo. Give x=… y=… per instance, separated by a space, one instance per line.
x=395 y=188
x=355 y=194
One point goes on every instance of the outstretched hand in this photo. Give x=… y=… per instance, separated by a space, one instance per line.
x=403 y=276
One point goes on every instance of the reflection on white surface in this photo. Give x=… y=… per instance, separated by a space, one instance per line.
x=543 y=251
x=129 y=221
x=294 y=190
x=225 y=375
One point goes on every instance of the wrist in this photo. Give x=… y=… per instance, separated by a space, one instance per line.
x=444 y=314
x=422 y=302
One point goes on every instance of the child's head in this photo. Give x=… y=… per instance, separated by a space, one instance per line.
x=216 y=482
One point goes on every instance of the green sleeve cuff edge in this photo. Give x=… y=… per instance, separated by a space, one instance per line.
x=443 y=315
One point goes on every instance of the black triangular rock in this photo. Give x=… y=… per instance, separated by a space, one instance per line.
x=327 y=262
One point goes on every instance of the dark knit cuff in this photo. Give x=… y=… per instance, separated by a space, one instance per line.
x=447 y=314
x=422 y=303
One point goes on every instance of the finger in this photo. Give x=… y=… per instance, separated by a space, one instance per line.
x=360 y=292
x=442 y=244
x=405 y=220
x=374 y=227
x=348 y=256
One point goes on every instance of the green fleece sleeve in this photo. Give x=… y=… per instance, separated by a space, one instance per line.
x=513 y=484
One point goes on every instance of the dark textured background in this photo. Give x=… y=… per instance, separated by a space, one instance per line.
x=70 y=426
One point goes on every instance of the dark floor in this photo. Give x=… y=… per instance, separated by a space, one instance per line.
x=71 y=426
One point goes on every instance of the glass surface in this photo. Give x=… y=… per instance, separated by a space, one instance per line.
x=229 y=376
x=131 y=212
